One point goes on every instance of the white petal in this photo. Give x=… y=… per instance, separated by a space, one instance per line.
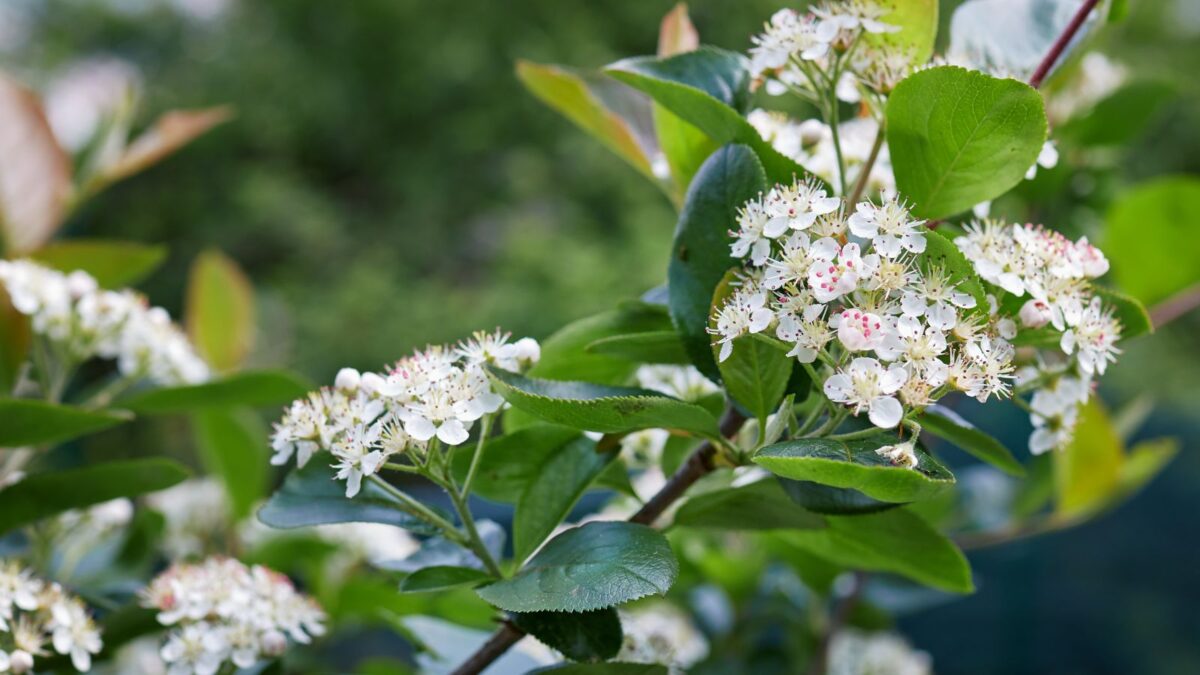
x=452 y=432
x=838 y=388
x=885 y=412
x=419 y=428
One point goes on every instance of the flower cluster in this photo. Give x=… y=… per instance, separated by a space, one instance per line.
x=221 y=610
x=33 y=613
x=854 y=652
x=658 y=632
x=365 y=418
x=81 y=321
x=853 y=292
x=806 y=52
x=1046 y=282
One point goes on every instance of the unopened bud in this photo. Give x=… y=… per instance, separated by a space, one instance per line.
x=347 y=379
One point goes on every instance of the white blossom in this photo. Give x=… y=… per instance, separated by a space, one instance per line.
x=33 y=613
x=889 y=227
x=867 y=385
x=742 y=313
x=900 y=454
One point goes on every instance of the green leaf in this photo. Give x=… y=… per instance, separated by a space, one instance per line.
x=658 y=346
x=918 y=24
x=233 y=447
x=855 y=464
x=589 y=567
x=566 y=354
x=831 y=501
x=762 y=505
x=1144 y=461
x=895 y=541
x=594 y=407
x=971 y=440
x=555 y=489
x=596 y=106
x=941 y=252
x=512 y=461
x=441 y=577
x=579 y=636
x=15 y=338
x=254 y=388
x=310 y=496
x=220 y=310
x=46 y=494
x=30 y=422
x=1118 y=118
x=114 y=264
x=958 y=137
x=705 y=88
x=1087 y=473
x=756 y=374
x=1151 y=238
x=700 y=258
x=1132 y=314
x=610 y=668
x=684 y=146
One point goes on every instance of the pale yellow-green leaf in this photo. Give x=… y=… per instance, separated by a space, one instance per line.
x=918 y=23
x=220 y=310
x=1088 y=471
x=676 y=34
x=166 y=136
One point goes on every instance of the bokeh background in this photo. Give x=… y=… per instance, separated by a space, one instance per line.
x=387 y=182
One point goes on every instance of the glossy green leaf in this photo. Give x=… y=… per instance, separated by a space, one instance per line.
x=659 y=346
x=970 y=439
x=706 y=88
x=828 y=500
x=958 y=137
x=233 y=447
x=254 y=388
x=755 y=374
x=114 y=264
x=441 y=577
x=30 y=422
x=579 y=636
x=895 y=541
x=918 y=24
x=592 y=566
x=512 y=461
x=700 y=252
x=1151 y=238
x=1118 y=118
x=554 y=490
x=761 y=505
x=684 y=146
x=594 y=407
x=220 y=310
x=46 y=494
x=566 y=354
x=310 y=496
x=580 y=98
x=1132 y=314
x=855 y=464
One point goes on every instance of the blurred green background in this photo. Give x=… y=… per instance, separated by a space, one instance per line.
x=387 y=182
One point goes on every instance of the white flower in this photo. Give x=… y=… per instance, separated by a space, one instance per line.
x=74 y=633
x=357 y=457
x=1035 y=313
x=1047 y=159
x=849 y=15
x=751 y=237
x=743 y=312
x=993 y=358
x=196 y=649
x=889 y=228
x=859 y=331
x=789 y=35
x=33 y=612
x=683 y=382
x=854 y=652
x=806 y=331
x=796 y=207
x=494 y=348
x=436 y=414
x=1055 y=412
x=835 y=270
x=659 y=633
x=867 y=385
x=901 y=454
x=791 y=267
x=1093 y=339
x=936 y=298
x=348 y=379
x=921 y=347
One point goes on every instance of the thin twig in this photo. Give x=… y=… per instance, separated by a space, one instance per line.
x=864 y=172
x=1061 y=43
x=1175 y=306
x=841 y=615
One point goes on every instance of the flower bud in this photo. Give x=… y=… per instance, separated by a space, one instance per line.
x=371 y=383
x=20 y=661
x=274 y=643
x=80 y=283
x=1034 y=314
x=347 y=379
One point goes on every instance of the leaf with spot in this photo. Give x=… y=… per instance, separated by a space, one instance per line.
x=606 y=409
x=854 y=463
x=700 y=251
x=589 y=567
x=959 y=137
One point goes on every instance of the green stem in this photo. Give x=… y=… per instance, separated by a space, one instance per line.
x=831 y=424
x=811 y=418
x=421 y=511
x=485 y=426
x=862 y=433
x=864 y=173
x=474 y=541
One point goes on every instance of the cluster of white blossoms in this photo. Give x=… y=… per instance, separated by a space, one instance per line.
x=1045 y=279
x=797 y=51
x=365 y=418
x=221 y=610
x=852 y=291
x=854 y=652
x=35 y=613
x=658 y=632
x=82 y=321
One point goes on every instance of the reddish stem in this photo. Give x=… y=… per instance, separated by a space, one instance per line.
x=1061 y=43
